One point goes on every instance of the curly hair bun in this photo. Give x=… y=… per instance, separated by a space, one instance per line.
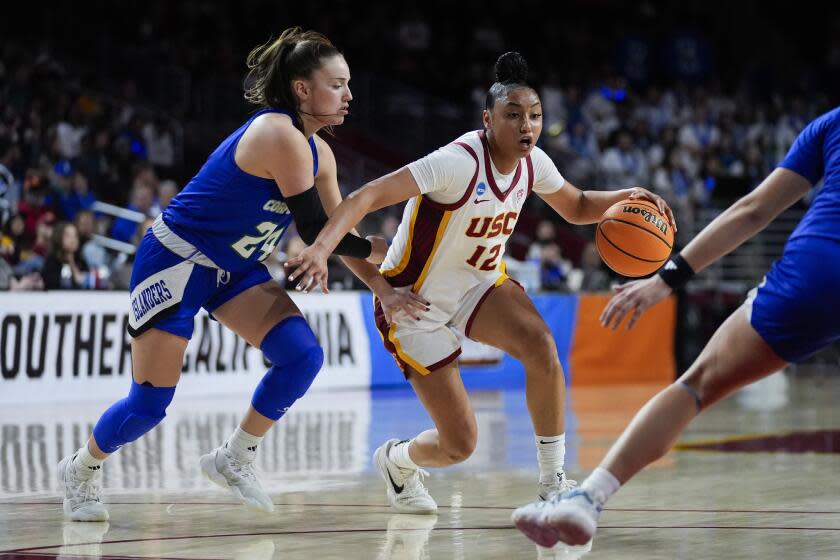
x=511 y=67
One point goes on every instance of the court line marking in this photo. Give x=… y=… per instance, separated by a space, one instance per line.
x=385 y=506
x=380 y=530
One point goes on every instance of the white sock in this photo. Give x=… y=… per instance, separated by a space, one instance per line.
x=86 y=465
x=243 y=445
x=551 y=454
x=601 y=485
x=398 y=454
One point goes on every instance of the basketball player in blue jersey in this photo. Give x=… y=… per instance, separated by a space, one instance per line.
x=206 y=251
x=791 y=315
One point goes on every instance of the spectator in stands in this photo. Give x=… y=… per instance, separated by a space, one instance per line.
x=596 y=278
x=546 y=233
x=9 y=156
x=553 y=269
x=37 y=202
x=12 y=239
x=625 y=164
x=69 y=133
x=122 y=265
x=94 y=254
x=73 y=190
x=166 y=192
x=124 y=229
x=160 y=143
x=64 y=268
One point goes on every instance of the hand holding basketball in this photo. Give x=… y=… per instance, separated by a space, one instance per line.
x=636 y=235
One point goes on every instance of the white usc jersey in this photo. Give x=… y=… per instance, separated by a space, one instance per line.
x=453 y=236
x=451 y=241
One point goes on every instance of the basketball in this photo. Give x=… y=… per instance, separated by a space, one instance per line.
x=634 y=238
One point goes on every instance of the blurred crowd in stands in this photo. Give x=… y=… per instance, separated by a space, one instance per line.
x=71 y=138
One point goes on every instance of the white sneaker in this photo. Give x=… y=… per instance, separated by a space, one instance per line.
x=407 y=537
x=571 y=517
x=547 y=490
x=81 y=495
x=222 y=468
x=406 y=492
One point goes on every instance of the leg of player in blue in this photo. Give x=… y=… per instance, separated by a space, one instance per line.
x=126 y=420
x=296 y=359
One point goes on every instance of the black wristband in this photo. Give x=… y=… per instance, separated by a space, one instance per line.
x=310 y=219
x=353 y=246
x=676 y=272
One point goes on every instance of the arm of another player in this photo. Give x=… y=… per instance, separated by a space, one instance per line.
x=586 y=207
x=280 y=149
x=311 y=264
x=729 y=230
x=326 y=181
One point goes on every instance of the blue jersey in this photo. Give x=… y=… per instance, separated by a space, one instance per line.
x=816 y=155
x=234 y=218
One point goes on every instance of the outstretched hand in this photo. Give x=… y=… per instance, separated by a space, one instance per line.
x=633 y=297
x=309 y=268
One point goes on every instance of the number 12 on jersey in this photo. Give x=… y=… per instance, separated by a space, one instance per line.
x=490 y=262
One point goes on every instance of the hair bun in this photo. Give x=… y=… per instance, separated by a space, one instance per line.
x=511 y=67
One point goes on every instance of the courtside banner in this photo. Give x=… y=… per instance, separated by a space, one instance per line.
x=61 y=346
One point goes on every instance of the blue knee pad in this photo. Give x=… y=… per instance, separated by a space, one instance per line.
x=296 y=359
x=130 y=418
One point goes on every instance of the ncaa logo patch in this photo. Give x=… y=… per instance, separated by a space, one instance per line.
x=481 y=189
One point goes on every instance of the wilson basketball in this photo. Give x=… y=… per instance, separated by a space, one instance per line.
x=634 y=238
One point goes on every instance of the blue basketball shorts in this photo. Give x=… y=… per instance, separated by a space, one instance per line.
x=167 y=289
x=796 y=308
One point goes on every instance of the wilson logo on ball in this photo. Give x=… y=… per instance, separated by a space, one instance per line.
x=650 y=217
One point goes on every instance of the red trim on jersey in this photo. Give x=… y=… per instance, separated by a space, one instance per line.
x=467 y=193
x=468 y=327
x=530 y=173
x=446 y=361
x=424 y=233
x=488 y=169
x=383 y=327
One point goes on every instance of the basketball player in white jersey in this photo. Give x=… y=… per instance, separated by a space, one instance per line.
x=464 y=201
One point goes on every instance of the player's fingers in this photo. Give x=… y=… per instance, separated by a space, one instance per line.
x=617 y=318
x=415 y=306
x=303 y=283
x=672 y=220
x=298 y=269
x=608 y=312
x=662 y=207
x=419 y=298
x=634 y=317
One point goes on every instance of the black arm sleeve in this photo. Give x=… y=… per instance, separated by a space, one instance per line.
x=310 y=218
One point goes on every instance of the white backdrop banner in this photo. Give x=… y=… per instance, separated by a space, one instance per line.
x=61 y=346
